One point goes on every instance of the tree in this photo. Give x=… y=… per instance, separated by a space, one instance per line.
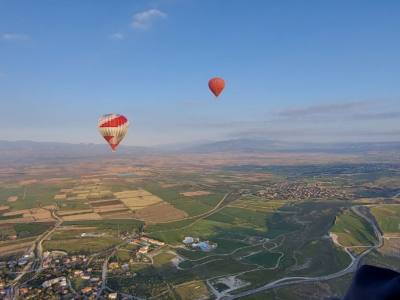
x=140 y=229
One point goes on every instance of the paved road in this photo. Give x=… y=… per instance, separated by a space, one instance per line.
x=295 y=280
x=104 y=274
x=37 y=249
x=203 y=215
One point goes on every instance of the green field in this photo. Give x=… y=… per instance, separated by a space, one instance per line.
x=123 y=256
x=225 y=227
x=192 y=290
x=192 y=205
x=241 y=217
x=352 y=230
x=11 y=217
x=32 y=229
x=318 y=252
x=162 y=259
x=258 y=203
x=388 y=217
x=145 y=283
x=81 y=245
x=265 y=259
x=35 y=195
x=385 y=261
x=72 y=205
x=309 y=291
x=76 y=233
x=121 y=224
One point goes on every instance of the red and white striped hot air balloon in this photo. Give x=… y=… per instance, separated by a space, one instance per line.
x=113 y=128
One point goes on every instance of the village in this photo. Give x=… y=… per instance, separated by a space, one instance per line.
x=299 y=191
x=64 y=276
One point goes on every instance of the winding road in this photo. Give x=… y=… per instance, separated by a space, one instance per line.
x=355 y=262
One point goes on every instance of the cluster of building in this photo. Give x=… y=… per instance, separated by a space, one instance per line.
x=53 y=288
x=3 y=286
x=13 y=265
x=145 y=246
x=300 y=191
x=196 y=243
x=57 y=259
x=59 y=270
x=9 y=270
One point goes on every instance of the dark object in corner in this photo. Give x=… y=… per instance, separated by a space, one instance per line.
x=374 y=283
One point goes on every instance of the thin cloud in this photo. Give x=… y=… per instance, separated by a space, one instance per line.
x=318 y=134
x=145 y=19
x=14 y=37
x=378 y=116
x=118 y=36
x=324 y=109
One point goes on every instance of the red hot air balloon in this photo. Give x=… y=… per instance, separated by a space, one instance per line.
x=216 y=85
x=113 y=128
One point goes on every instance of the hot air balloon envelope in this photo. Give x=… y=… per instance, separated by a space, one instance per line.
x=216 y=85
x=113 y=128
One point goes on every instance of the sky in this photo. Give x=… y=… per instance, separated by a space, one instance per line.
x=306 y=71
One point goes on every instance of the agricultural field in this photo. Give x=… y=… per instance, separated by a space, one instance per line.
x=311 y=291
x=195 y=193
x=97 y=202
x=22 y=197
x=192 y=290
x=15 y=247
x=264 y=222
x=193 y=206
x=137 y=199
x=81 y=245
x=163 y=258
x=19 y=237
x=351 y=230
x=159 y=213
x=388 y=217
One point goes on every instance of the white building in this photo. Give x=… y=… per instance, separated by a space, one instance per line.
x=188 y=240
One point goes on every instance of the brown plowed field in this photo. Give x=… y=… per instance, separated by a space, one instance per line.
x=161 y=212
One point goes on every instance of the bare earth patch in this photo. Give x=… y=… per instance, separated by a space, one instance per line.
x=168 y=185
x=391 y=246
x=73 y=212
x=193 y=290
x=4 y=209
x=197 y=193
x=161 y=212
x=137 y=199
x=105 y=202
x=82 y=217
x=127 y=214
x=12 y=198
x=20 y=246
x=34 y=214
x=109 y=208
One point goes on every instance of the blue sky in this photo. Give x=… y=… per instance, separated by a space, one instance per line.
x=317 y=71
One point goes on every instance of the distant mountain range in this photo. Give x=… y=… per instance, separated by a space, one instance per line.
x=25 y=151
x=258 y=145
